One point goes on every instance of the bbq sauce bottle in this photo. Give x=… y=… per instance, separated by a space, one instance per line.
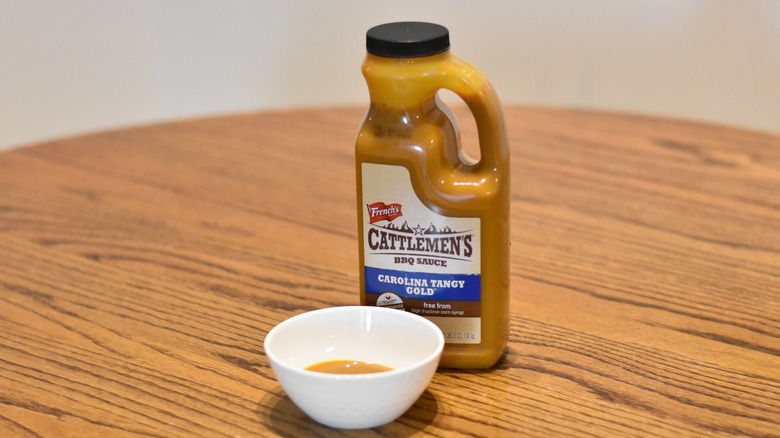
x=433 y=225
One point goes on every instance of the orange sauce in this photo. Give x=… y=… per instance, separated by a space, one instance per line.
x=407 y=126
x=347 y=367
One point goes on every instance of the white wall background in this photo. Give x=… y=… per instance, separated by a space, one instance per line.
x=69 y=67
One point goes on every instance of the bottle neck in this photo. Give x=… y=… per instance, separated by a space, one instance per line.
x=404 y=82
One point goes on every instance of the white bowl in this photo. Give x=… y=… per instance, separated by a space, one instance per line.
x=408 y=343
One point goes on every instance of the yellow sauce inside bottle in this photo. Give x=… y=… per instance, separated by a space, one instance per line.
x=407 y=126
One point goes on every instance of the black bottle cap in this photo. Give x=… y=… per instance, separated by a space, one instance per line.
x=408 y=39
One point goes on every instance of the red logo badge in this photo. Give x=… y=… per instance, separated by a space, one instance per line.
x=379 y=211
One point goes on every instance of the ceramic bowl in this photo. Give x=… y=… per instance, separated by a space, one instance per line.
x=409 y=344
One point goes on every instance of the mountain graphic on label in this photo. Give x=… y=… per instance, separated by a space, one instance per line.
x=432 y=229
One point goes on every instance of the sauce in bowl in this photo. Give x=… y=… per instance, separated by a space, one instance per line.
x=347 y=367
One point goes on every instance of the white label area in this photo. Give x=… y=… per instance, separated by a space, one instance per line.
x=418 y=260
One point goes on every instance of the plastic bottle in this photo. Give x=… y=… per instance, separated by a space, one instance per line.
x=433 y=227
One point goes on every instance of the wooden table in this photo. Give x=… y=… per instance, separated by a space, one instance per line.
x=140 y=270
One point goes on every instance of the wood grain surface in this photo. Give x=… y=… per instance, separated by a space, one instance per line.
x=140 y=270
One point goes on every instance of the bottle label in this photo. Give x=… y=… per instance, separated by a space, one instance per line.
x=418 y=260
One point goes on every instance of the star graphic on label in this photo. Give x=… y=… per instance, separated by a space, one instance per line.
x=418 y=230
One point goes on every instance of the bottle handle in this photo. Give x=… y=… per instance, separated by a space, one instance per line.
x=470 y=85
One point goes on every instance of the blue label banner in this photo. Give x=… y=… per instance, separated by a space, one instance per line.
x=423 y=285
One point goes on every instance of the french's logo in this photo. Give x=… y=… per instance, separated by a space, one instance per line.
x=379 y=211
